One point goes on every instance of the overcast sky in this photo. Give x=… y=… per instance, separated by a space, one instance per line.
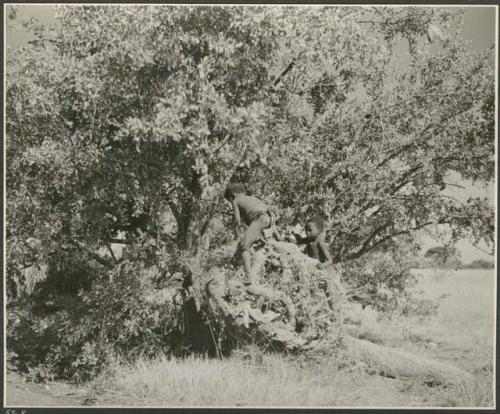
x=478 y=28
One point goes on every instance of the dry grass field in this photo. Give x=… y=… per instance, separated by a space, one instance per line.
x=461 y=333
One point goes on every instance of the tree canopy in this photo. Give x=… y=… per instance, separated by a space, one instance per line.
x=127 y=123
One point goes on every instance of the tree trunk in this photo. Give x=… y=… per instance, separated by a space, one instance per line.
x=189 y=219
x=292 y=313
x=288 y=311
x=397 y=363
x=188 y=228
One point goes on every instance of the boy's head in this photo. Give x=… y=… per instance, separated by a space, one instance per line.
x=232 y=190
x=314 y=227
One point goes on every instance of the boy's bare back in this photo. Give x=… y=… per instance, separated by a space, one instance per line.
x=250 y=207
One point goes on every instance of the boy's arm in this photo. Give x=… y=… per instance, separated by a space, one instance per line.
x=299 y=239
x=237 y=220
x=324 y=249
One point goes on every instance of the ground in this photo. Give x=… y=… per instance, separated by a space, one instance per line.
x=26 y=394
x=460 y=334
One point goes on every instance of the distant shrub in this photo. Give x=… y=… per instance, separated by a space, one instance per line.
x=381 y=280
x=443 y=257
x=479 y=264
x=412 y=306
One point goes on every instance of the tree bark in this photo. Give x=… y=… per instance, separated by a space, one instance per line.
x=189 y=218
x=293 y=314
x=397 y=363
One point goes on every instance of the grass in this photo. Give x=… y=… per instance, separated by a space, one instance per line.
x=460 y=334
x=463 y=328
x=265 y=380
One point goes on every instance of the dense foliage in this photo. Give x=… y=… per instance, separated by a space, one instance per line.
x=125 y=124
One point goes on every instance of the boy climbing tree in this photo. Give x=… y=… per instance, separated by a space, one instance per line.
x=317 y=248
x=255 y=214
x=315 y=243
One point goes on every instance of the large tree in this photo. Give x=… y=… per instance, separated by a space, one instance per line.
x=369 y=142
x=127 y=123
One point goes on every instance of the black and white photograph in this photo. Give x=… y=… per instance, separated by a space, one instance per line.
x=249 y=206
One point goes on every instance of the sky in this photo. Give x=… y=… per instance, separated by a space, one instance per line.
x=479 y=23
x=478 y=28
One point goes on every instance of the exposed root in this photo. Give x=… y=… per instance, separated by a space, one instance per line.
x=297 y=308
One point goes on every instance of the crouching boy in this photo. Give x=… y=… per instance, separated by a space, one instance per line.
x=317 y=248
x=255 y=214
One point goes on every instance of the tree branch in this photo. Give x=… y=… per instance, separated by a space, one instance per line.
x=174 y=209
x=220 y=197
x=403 y=180
x=99 y=259
x=288 y=69
x=415 y=141
x=118 y=241
x=110 y=250
x=366 y=247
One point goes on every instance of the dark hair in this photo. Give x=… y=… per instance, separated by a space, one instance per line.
x=318 y=222
x=232 y=189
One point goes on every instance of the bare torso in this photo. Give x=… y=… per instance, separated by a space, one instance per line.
x=250 y=208
x=313 y=250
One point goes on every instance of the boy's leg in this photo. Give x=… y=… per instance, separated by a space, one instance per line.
x=334 y=297
x=247 y=266
x=252 y=234
x=324 y=286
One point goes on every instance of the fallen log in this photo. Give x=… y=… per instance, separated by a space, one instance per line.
x=397 y=363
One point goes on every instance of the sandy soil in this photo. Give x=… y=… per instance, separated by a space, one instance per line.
x=25 y=394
